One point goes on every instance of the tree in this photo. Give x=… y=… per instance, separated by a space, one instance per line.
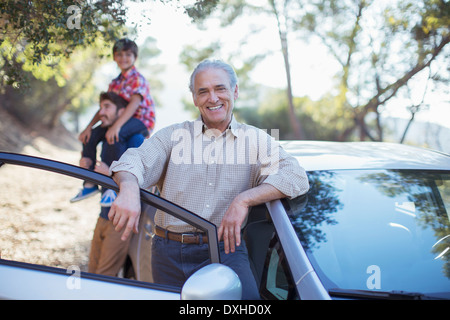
x=380 y=48
x=273 y=113
x=44 y=101
x=36 y=33
x=283 y=13
x=49 y=51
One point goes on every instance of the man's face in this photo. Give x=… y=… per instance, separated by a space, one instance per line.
x=125 y=59
x=108 y=113
x=214 y=97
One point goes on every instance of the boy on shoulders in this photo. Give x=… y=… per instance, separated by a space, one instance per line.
x=134 y=88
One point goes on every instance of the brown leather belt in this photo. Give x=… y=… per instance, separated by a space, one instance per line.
x=188 y=238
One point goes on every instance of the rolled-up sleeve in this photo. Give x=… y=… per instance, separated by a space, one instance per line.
x=291 y=178
x=283 y=171
x=147 y=163
x=129 y=162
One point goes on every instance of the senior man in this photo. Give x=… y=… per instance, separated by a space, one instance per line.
x=214 y=167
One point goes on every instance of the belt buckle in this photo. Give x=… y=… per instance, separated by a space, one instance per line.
x=182 y=236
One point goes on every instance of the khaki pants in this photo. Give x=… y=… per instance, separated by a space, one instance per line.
x=108 y=251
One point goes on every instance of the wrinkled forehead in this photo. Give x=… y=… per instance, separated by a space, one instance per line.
x=210 y=78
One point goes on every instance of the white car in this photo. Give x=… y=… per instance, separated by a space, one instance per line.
x=374 y=225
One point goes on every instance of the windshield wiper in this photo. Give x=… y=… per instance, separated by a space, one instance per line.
x=382 y=295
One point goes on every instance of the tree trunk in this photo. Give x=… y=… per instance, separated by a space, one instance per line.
x=295 y=123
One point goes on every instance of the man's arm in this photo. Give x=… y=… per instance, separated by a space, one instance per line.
x=126 y=209
x=86 y=133
x=230 y=228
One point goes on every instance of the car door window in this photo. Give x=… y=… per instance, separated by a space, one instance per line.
x=277 y=281
x=38 y=224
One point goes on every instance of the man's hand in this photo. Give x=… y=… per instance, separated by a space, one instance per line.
x=230 y=228
x=85 y=135
x=126 y=209
x=85 y=162
x=112 y=134
x=102 y=168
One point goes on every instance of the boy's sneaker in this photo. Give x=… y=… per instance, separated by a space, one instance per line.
x=85 y=193
x=108 y=198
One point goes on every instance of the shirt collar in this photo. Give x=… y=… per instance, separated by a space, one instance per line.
x=233 y=127
x=128 y=73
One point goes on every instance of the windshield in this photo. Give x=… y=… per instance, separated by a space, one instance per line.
x=377 y=230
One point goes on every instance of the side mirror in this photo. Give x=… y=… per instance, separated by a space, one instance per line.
x=213 y=282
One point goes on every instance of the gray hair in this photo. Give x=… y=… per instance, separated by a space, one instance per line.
x=214 y=64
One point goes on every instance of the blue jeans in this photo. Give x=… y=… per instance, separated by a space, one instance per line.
x=131 y=134
x=173 y=262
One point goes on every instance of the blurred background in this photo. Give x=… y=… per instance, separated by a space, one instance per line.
x=347 y=70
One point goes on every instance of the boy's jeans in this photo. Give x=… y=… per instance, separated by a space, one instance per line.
x=131 y=134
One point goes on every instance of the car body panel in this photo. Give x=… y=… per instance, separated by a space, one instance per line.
x=324 y=155
x=28 y=282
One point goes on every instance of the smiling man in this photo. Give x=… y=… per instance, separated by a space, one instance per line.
x=214 y=95
x=240 y=166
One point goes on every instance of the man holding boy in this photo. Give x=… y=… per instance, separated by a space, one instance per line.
x=108 y=252
x=134 y=88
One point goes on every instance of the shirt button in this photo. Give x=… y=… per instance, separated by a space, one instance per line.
x=207 y=205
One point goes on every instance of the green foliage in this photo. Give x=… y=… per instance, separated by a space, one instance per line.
x=50 y=50
x=273 y=113
x=38 y=34
x=192 y=55
x=44 y=101
x=380 y=47
x=201 y=8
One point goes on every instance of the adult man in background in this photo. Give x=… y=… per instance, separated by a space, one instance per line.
x=108 y=252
